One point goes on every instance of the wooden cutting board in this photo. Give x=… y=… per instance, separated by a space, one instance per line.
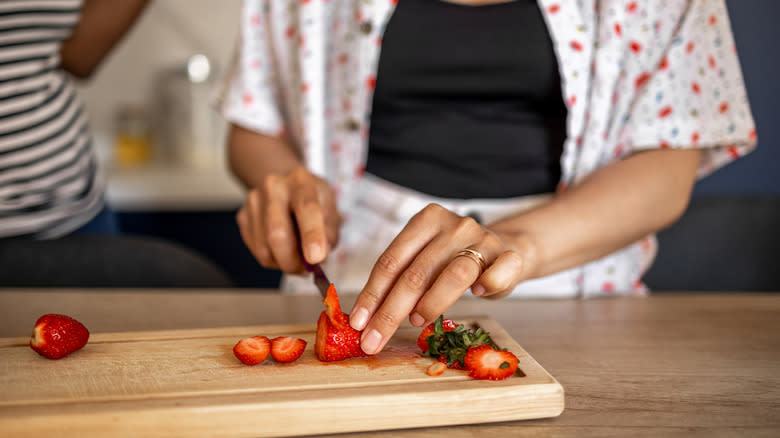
x=188 y=383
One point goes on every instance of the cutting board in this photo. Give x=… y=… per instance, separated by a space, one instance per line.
x=188 y=383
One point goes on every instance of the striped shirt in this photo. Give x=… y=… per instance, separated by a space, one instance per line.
x=49 y=181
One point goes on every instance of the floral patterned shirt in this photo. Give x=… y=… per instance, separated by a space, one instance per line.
x=635 y=75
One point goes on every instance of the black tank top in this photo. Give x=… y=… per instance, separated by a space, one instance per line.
x=468 y=101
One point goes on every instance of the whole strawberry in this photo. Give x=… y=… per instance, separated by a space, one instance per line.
x=336 y=339
x=56 y=336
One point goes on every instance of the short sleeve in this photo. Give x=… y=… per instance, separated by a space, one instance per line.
x=249 y=96
x=696 y=97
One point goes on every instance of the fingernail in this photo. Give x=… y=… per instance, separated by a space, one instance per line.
x=315 y=252
x=359 y=318
x=416 y=319
x=478 y=290
x=371 y=342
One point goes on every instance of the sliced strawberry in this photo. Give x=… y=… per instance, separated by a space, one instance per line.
x=489 y=364
x=252 y=351
x=286 y=348
x=56 y=336
x=436 y=369
x=333 y=308
x=422 y=340
x=336 y=339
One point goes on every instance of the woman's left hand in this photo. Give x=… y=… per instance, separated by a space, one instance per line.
x=421 y=274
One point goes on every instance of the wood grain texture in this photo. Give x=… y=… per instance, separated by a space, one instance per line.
x=188 y=383
x=698 y=365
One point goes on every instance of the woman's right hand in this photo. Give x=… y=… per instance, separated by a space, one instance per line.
x=286 y=209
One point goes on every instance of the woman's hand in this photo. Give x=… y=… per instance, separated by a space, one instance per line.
x=420 y=275
x=284 y=210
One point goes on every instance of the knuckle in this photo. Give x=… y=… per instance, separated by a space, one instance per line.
x=309 y=207
x=430 y=211
x=277 y=236
x=299 y=174
x=387 y=319
x=414 y=278
x=370 y=296
x=462 y=273
x=466 y=225
x=388 y=263
x=270 y=182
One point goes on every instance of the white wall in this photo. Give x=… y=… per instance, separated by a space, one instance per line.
x=168 y=32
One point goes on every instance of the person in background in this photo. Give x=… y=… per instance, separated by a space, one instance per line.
x=523 y=148
x=50 y=181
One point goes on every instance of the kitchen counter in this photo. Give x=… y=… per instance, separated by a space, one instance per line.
x=666 y=365
x=173 y=188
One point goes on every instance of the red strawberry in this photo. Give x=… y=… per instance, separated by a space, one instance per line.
x=287 y=349
x=56 y=336
x=436 y=369
x=336 y=339
x=422 y=340
x=252 y=351
x=489 y=364
x=456 y=365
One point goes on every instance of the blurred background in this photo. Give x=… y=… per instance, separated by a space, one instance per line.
x=164 y=145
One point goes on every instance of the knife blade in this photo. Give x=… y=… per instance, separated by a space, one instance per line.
x=320 y=279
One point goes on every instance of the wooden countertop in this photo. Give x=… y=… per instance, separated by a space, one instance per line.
x=667 y=365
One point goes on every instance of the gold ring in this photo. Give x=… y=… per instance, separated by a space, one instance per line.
x=475 y=255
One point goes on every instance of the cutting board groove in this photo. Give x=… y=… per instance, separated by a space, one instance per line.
x=188 y=383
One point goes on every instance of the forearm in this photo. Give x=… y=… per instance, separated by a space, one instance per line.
x=612 y=208
x=253 y=156
x=101 y=25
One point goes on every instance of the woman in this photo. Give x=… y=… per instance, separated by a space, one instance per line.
x=50 y=184
x=467 y=97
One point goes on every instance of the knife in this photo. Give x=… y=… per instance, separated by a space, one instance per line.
x=320 y=279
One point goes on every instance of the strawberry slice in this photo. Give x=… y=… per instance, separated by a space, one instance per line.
x=252 y=351
x=422 y=340
x=56 y=336
x=336 y=339
x=436 y=369
x=487 y=363
x=286 y=348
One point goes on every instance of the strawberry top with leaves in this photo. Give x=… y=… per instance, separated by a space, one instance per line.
x=450 y=345
x=422 y=340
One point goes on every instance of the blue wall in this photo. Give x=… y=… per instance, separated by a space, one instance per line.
x=756 y=26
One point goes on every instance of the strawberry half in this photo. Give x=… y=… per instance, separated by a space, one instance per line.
x=336 y=339
x=252 y=351
x=286 y=348
x=489 y=364
x=422 y=340
x=56 y=336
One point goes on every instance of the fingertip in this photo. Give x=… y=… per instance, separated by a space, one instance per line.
x=371 y=342
x=359 y=318
x=416 y=319
x=478 y=290
x=315 y=252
